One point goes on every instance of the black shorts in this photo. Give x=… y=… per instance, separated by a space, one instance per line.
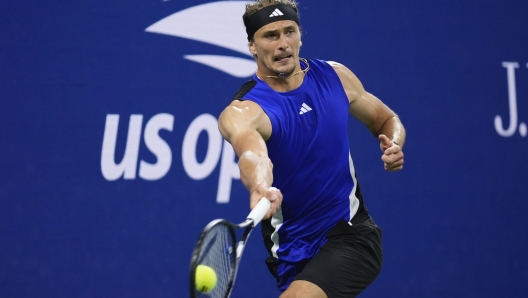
x=346 y=264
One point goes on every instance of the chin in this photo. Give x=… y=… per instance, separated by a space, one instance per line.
x=287 y=71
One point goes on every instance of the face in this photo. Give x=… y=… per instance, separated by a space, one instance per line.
x=276 y=46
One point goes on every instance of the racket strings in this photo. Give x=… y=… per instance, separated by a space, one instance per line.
x=218 y=251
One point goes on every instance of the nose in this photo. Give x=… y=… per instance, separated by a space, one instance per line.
x=283 y=44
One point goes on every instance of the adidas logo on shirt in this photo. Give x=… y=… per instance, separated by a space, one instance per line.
x=276 y=13
x=304 y=109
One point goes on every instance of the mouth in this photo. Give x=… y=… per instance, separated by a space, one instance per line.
x=283 y=59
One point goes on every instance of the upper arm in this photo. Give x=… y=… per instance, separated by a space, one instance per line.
x=367 y=108
x=246 y=126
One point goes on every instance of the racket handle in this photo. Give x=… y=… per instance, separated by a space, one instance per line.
x=259 y=211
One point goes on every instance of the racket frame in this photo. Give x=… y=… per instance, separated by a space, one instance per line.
x=253 y=219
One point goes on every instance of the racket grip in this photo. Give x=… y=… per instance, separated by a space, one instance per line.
x=259 y=211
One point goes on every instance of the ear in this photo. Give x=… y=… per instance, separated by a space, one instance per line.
x=252 y=48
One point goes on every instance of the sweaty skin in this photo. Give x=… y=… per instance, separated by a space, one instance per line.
x=246 y=126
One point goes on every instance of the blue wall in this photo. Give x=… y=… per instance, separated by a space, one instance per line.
x=81 y=83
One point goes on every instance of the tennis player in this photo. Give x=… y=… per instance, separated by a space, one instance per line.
x=288 y=126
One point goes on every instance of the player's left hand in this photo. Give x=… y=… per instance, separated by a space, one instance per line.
x=392 y=154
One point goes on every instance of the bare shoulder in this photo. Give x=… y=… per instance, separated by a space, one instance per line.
x=243 y=115
x=351 y=83
x=338 y=66
x=240 y=110
x=344 y=73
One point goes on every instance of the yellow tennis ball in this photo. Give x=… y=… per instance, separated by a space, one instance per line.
x=205 y=279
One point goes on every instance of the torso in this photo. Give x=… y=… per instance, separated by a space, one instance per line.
x=309 y=149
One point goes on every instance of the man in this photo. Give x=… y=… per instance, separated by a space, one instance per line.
x=288 y=126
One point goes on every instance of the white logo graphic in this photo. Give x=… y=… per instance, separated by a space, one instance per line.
x=304 y=109
x=216 y=23
x=219 y=151
x=276 y=13
x=512 y=100
x=127 y=167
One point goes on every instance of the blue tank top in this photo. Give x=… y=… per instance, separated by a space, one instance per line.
x=311 y=160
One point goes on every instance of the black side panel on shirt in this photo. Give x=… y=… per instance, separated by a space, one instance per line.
x=362 y=213
x=244 y=90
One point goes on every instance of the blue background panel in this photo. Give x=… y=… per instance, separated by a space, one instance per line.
x=453 y=220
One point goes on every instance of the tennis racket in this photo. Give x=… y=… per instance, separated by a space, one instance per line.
x=218 y=249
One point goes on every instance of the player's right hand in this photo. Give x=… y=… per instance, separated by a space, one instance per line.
x=271 y=193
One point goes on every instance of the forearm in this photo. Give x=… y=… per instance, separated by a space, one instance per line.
x=394 y=130
x=256 y=173
x=255 y=170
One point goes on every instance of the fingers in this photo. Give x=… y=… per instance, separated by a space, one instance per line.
x=385 y=142
x=392 y=154
x=272 y=194
x=275 y=197
x=392 y=149
x=393 y=159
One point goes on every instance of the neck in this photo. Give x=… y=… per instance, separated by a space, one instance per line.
x=286 y=83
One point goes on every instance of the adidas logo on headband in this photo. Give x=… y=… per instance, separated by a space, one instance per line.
x=269 y=14
x=276 y=13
